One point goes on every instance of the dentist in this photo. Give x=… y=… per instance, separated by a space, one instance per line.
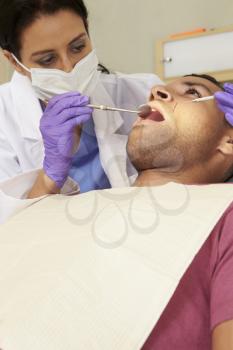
x=48 y=135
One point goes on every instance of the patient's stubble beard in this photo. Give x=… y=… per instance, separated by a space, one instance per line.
x=165 y=148
x=157 y=150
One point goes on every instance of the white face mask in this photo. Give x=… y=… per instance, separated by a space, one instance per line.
x=51 y=82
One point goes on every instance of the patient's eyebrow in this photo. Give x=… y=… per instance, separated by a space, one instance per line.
x=191 y=83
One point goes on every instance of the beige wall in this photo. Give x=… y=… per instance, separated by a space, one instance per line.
x=5 y=70
x=125 y=31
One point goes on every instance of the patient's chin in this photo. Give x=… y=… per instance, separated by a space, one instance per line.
x=169 y=160
x=145 y=155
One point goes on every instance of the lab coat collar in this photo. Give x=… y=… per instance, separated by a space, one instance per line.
x=27 y=106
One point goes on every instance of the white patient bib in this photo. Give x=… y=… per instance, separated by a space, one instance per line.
x=95 y=271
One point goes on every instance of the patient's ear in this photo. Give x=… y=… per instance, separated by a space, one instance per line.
x=226 y=145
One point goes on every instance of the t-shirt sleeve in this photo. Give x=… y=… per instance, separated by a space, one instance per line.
x=221 y=301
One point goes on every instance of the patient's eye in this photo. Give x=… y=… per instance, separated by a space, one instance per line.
x=193 y=91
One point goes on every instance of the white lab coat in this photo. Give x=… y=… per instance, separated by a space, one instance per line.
x=21 y=144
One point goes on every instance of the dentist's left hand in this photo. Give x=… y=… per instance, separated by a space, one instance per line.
x=225 y=102
x=61 y=117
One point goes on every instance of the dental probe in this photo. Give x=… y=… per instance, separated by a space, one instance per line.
x=143 y=110
x=107 y=108
x=201 y=99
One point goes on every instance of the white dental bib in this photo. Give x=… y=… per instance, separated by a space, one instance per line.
x=96 y=271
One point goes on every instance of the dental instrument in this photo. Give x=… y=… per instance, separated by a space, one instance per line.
x=143 y=111
x=200 y=99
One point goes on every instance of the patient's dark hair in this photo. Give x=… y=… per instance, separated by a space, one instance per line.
x=207 y=77
x=17 y=15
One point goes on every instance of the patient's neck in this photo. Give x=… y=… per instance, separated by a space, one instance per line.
x=154 y=177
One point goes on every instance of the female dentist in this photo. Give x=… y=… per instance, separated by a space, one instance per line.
x=44 y=116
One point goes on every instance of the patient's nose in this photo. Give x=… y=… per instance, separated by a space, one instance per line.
x=160 y=93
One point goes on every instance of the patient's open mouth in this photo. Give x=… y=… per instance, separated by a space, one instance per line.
x=156 y=116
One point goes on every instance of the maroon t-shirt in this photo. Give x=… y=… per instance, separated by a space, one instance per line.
x=203 y=298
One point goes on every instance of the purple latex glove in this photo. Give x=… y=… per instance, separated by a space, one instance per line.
x=62 y=114
x=225 y=102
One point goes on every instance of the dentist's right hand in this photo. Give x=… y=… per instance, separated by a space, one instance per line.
x=61 y=117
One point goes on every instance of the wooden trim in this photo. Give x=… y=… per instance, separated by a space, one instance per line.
x=159 y=68
x=223 y=76
x=208 y=32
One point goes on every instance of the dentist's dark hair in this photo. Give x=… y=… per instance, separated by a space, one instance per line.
x=17 y=15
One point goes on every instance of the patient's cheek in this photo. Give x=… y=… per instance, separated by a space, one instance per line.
x=192 y=120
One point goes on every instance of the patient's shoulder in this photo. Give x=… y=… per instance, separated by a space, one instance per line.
x=222 y=233
x=225 y=231
x=222 y=270
x=229 y=209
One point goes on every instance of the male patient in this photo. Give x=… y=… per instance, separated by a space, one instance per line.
x=191 y=143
